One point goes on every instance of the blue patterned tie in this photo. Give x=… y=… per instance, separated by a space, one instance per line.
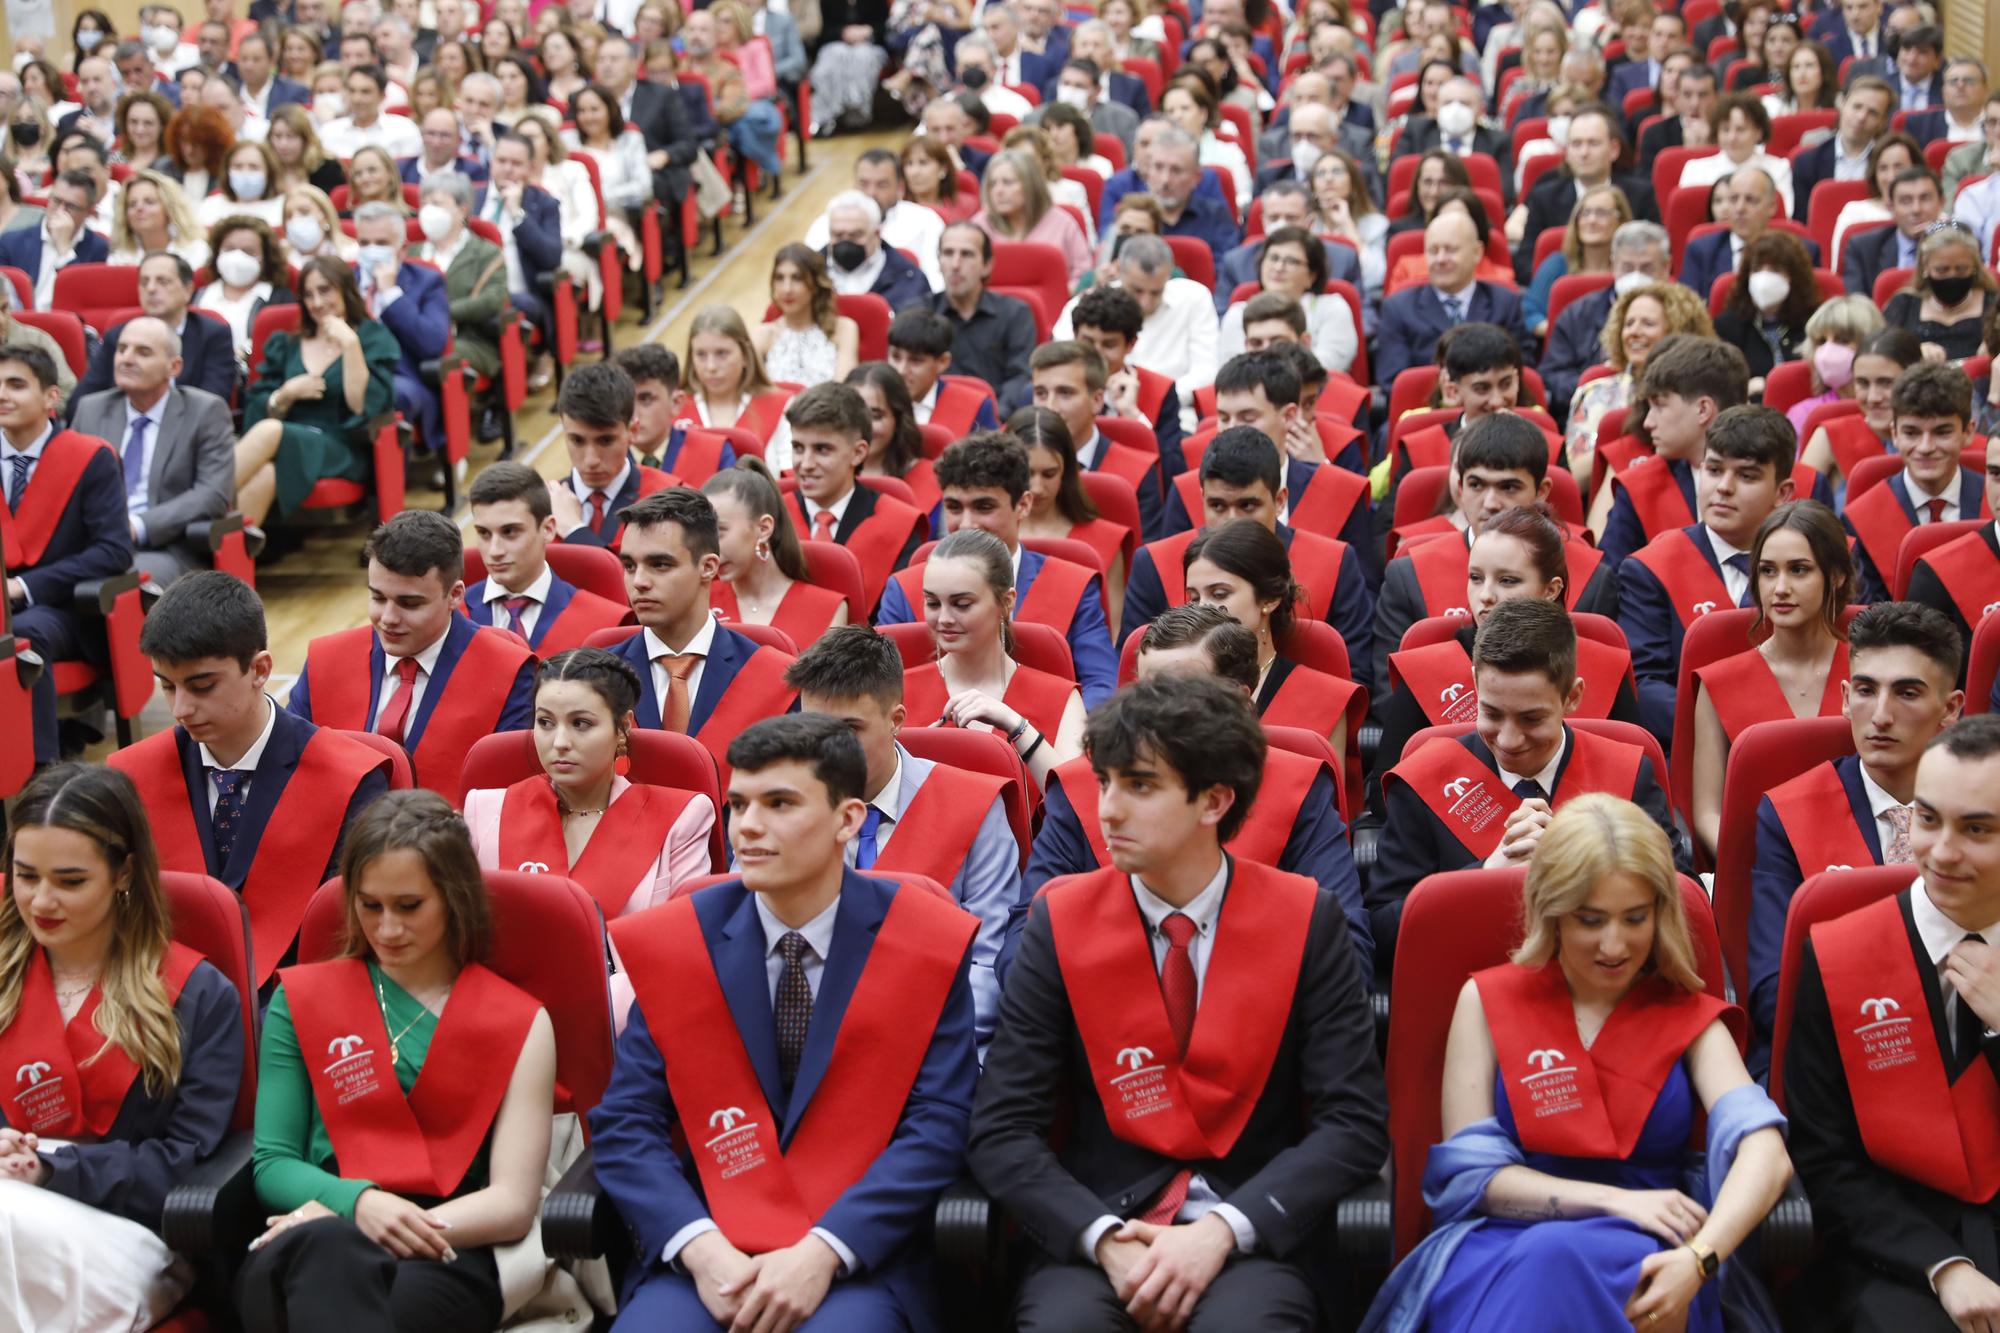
x=1455 y=309
x=135 y=458
x=1740 y=562
x=864 y=845
x=228 y=810
x=18 y=483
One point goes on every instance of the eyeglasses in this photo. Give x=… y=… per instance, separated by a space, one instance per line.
x=1280 y=260
x=1597 y=214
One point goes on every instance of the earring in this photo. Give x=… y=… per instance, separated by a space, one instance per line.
x=763 y=550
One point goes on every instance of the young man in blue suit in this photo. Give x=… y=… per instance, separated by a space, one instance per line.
x=1899 y=694
x=1916 y=200
x=411 y=300
x=805 y=1195
x=208 y=352
x=596 y=408
x=65 y=524
x=1865 y=105
x=985 y=483
x=1931 y=406
x=1688 y=382
x=62 y=239
x=262 y=90
x=514 y=525
x=1856 y=28
x=1412 y=320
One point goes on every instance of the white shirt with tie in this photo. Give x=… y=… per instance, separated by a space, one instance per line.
x=889 y=804
x=1204 y=910
x=700 y=645
x=1953 y=488
x=583 y=491
x=45 y=277
x=426 y=664
x=1463 y=296
x=246 y=764
x=494 y=209
x=838 y=509
x=1882 y=806
x=1546 y=779
x=536 y=592
x=9 y=452
x=136 y=502
x=1734 y=579
x=1863 y=45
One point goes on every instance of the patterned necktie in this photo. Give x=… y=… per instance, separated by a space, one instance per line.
x=135 y=458
x=1936 y=507
x=823 y=523
x=515 y=606
x=1454 y=307
x=1177 y=988
x=18 y=481
x=228 y=809
x=597 y=505
x=1968 y=1029
x=1898 y=851
x=1740 y=562
x=678 y=705
x=864 y=844
x=396 y=713
x=794 y=1008
x=1530 y=790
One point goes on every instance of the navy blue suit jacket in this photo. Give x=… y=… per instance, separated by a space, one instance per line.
x=726 y=657
x=1624 y=533
x=628 y=494
x=1359 y=532
x=880 y=1215
x=518 y=713
x=1127 y=90
x=1775 y=876
x=412 y=170
x=1653 y=631
x=285 y=92
x=1868 y=255
x=22 y=249
x=92 y=539
x=1239 y=266
x=208 y=361
x=538 y=235
x=1628 y=78
x=1809 y=168
x=1122 y=183
x=1924 y=126
x=1874 y=583
x=1039 y=70
x=1575 y=344
x=1707 y=258
x=1412 y=321
x=1835 y=35
x=420 y=318
x=561 y=593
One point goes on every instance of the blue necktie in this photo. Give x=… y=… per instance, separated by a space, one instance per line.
x=1455 y=308
x=135 y=458
x=228 y=809
x=864 y=844
x=18 y=483
x=1740 y=562
x=1530 y=790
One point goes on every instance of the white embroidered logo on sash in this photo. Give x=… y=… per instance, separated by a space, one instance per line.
x=42 y=1102
x=353 y=1069
x=1702 y=608
x=1449 y=694
x=736 y=1148
x=1142 y=1090
x=1551 y=1084
x=1471 y=804
x=1459 y=612
x=31 y=1073
x=1886 y=1042
x=533 y=868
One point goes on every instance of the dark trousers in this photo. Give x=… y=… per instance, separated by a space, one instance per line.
x=1251 y=1292
x=325 y=1276
x=540 y=313
x=666 y=1303
x=55 y=635
x=421 y=407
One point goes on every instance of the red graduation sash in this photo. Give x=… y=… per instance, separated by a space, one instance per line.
x=1743 y=691
x=1315 y=700
x=419 y=1143
x=1192 y=1107
x=698 y=458
x=1619 y=455
x=805 y=612
x=922 y=481
x=957 y=408
x=478 y=685
x=622 y=848
x=1656 y=496
x=1440 y=567
x=1966 y=567
x=1050 y=600
x=295 y=846
x=757 y=691
x=1879 y=525
x=762 y=1196
x=1440 y=678
x=1321 y=510
x=25 y=532
x=1852 y=440
x=1574 y=1102
x=1036 y=695
x=651 y=479
x=1265 y=832
x=1914 y=1120
x=1469 y=799
x=1104 y=537
x=1818 y=819
x=938 y=827
x=1127 y=461
x=1431 y=447
x=586 y=614
x=1153 y=388
x=1693 y=586
x=69 y=1079
x=877 y=541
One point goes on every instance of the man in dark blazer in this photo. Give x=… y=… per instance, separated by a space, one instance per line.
x=1856 y=28
x=530 y=223
x=659 y=115
x=180 y=465
x=411 y=300
x=1092 y=41
x=1239 y=1225
x=262 y=90
x=208 y=351
x=595 y=408
x=1413 y=319
x=1916 y=200
x=1015 y=64
x=1960 y=117
x=1915 y=73
x=1885 y=1145
x=858 y=261
x=1313 y=129
x=1456 y=136
x=1105 y=115
x=1694 y=99
x=1285 y=203
x=72 y=202
x=830 y=432
x=1865 y=106
x=1930 y=408
x=1744 y=202
x=1590 y=158
x=1575 y=342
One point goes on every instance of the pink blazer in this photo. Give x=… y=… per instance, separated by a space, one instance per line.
x=682 y=856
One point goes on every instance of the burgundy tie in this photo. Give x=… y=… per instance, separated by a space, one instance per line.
x=515 y=606
x=396 y=713
x=1177 y=988
x=597 y=512
x=1937 y=509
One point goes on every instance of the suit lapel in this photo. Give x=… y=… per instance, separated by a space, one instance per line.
x=855 y=922
x=195 y=778
x=274 y=769
x=173 y=427
x=739 y=950
x=860 y=507
x=1849 y=768
x=633 y=650
x=727 y=654
x=1899 y=487
x=477 y=609
x=455 y=639
x=553 y=606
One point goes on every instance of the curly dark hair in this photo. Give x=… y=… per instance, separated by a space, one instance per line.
x=273 y=271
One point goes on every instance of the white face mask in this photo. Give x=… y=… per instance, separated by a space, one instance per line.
x=1455 y=119
x=329 y=106
x=248 y=184
x=160 y=37
x=1631 y=282
x=87 y=39
x=304 y=233
x=1076 y=97
x=238 y=268
x=435 y=219
x=1768 y=290
x=1305 y=156
x=1559 y=130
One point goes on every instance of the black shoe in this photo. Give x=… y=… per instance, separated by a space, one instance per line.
x=491 y=425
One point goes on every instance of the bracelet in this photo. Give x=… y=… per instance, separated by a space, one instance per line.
x=1039 y=738
x=1014 y=736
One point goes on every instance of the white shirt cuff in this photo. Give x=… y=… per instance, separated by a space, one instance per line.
x=1246 y=1235
x=848 y=1263
x=1931 y=1273
x=701 y=1226
x=1094 y=1233
x=387 y=296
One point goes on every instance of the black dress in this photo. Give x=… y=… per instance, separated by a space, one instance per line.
x=1960 y=340
x=1763 y=342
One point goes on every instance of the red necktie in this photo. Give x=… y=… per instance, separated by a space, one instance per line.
x=1937 y=509
x=597 y=512
x=396 y=713
x=515 y=606
x=1177 y=988
x=823 y=523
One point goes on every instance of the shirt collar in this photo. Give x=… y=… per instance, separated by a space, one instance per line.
x=929 y=401
x=1462 y=294
x=34 y=451
x=536 y=592
x=890 y=799
x=151 y=414
x=818 y=931
x=1202 y=909
x=1953 y=488
x=427 y=660
x=255 y=754
x=700 y=644
x=1546 y=779
x=1723 y=550
x=1939 y=933
x=617 y=485
x=1880 y=802
x=1087 y=452
x=838 y=508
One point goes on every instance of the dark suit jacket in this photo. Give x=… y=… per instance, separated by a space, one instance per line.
x=614 y=522
x=537 y=236
x=1925 y=127
x=1316 y=1132
x=861 y=508
x=1706 y=259
x=1413 y=319
x=885 y=1216
x=208 y=361
x=92 y=539
x=1127 y=182
x=728 y=653
x=1629 y=78
x=193 y=472
x=284 y=92
x=1928 y=588
x=661 y=117
x=1831 y=28
x=901 y=283
x=1809 y=168
x=22 y=249
x=1666 y=133
x=516 y=715
x=1421 y=134
x=1574 y=345
x=421 y=317
x=1873 y=579
x=1554 y=198
x=1646 y=614
x=1868 y=256
x=1747 y=337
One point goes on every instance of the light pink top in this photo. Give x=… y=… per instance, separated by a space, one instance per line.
x=683 y=855
x=1056 y=228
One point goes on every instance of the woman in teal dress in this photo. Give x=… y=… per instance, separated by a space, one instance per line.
x=307 y=412
x=404 y=1098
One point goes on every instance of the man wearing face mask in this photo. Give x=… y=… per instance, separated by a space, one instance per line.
x=1457 y=130
x=1641 y=253
x=1015 y=62
x=976 y=64
x=878 y=174
x=207 y=348
x=160 y=33
x=858 y=262
x=411 y=302
x=1353 y=127
x=1080 y=86
x=1092 y=41
x=1916 y=200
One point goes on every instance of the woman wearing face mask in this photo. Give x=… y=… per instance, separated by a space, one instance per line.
x=1832 y=334
x=1765 y=316
x=92 y=29
x=294 y=143
x=329 y=102
x=30 y=141
x=249 y=188
x=1343 y=207
x=1949 y=297
x=313 y=228
x=475 y=270
x=1835 y=446
x=765 y=579
x=1563 y=101
x=249 y=275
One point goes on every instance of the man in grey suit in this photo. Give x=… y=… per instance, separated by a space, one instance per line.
x=175 y=446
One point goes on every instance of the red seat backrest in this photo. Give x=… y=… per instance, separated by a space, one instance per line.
x=66 y=329
x=212 y=921
x=1571 y=287
x=24 y=287
x=982 y=752
x=1436 y=629
x=591 y=568
x=1116 y=502
x=90 y=290
x=831 y=565
x=1983 y=665
x=1066 y=548
x=1194 y=258
x=1723 y=632
x=1920 y=541
x=402 y=776
x=1823 y=897
x=1789 y=382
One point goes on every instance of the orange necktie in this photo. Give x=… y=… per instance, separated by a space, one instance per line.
x=678 y=666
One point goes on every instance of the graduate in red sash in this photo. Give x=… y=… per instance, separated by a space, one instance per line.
x=793 y=1089
x=102 y=1115
x=418 y=672
x=1059 y=506
x=626 y=844
x=404 y=1097
x=1068 y=378
x=1184 y=1081
x=920 y=351
x=662 y=441
x=513 y=524
x=240 y=789
x=922 y=817
x=1575 y=1076
x=764 y=578
x=1486 y=797
x=1802 y=579
x=895 y=440
x=985 y=483
x=1684 y=574
x=1499 y=461
x=1480 y=374
x=830 y=433
x=969 y=602
x=605 y=478
x=1855 y=810
x=1962 y=577
x=1890 y=1069
x=1108 y=318
x=696 y=675
x=1688 y=381
x=1932 y=424
x=64 y=522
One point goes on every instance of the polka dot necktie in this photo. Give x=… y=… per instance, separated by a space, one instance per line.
x=794 y=1007
x=1178 y=990
x=228 y=812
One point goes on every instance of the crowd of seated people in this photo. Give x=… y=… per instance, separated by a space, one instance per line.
x=1286 y=464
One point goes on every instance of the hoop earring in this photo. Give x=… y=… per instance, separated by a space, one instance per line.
x=763 y=550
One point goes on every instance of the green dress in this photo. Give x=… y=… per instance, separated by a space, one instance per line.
x=292 y=1160
x=322 y=439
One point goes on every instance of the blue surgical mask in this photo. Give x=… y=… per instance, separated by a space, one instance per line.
x=373 y=257
x=247 y=184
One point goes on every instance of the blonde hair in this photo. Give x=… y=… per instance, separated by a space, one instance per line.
x=1592 y=837
x=1572 y=246
x=1685 y=313
x=300 y=122
x=181 y=226
x=1845 y=320
x=723 y=322
x=1035 y=201
x=394 y=198
x=329 y=217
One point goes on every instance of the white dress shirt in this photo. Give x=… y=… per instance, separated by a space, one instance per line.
x=889 y=801
x=584 y=491
x=536 y=593
x=1940 y=935
x=701 y=644
x=1880 y=804
x=8 y=452
x=1180 y=340
x=1846 y=167
x=342 y=138
x=426 y=664
x=838 y=509
x=921 y=408
x=246 y=765
x=1546 y=779
x=1953 y=488
x=136 y=501
x=1204 y=910
x=1733 y=579
x=45 y=277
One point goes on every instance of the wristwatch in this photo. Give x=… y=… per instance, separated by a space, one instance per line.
x=1704 y=1258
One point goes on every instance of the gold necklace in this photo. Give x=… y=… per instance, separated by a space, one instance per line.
x=395 y=1048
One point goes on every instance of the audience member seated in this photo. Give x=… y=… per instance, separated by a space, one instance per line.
x=294 y=141
x=151 y=215
x=1882 y=1154
x=1641 y=255
x=366 y=124
x=555 y=822
x=920 y=343
x=312 y=228
x=1950 y=296
x=763 y=578
x=604 y=479
x=902 y=224
x=26 y=335
x=373 y=178
x=1962 y=577
x=166 y=290
x=809 y=342
x=1593 y=149
x=530 y=225
x=1685 y=113
x=1170 y=173
x=1640 y=319
x=1178 y=338
x=1413 y=319
x=418 y=672
x=1015 y=206
x=1677 y=391
x=1740 y=126
x=1109 y=319
x=725 y=384
x=1291 y=262
x=1835 y=446
x=367 y=1227
x=1414 y=269
x=742 y=967
x=1586 y=248
x=1189 y=103
x=62 y=239
x=930 y=174
x=444 y=150
x=142 y=118
x=249 y=274
x=130 y=1052
x=409 y=300
x=1343 y=207
x=1542 y=1218
x=992 y=334
x=895 y=440
x=1068 y=379
x=830 y=438
x=1915 y=201
x=68 y=524
x=1802 y=580
x=474 y=269
x=860 y=261
x=1931 y=407
x=1771 y=299
x=1058 y=505
x=1744 y=203
x=658 y=435
x=513 y=526
x=568 y=183
x=1833 y=337
x=247 y=188
x=1227 y=1200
